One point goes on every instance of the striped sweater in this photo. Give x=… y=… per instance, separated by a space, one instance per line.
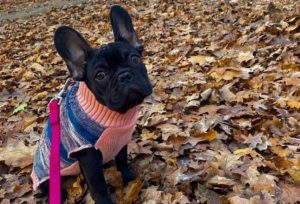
x=84 y=123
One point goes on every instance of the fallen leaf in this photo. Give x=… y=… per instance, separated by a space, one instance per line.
x=243 y=151
x=201 y=59
x=132 y=190
x=295 y=174
x=219 y=180
x=258 y=141
x=147 y=135
x=226 y=94
x=290 y=192
x=38 y=68
x=238 y=200
x=76 y=189
x=39 y=96
x=209 y=136
x=20 y=108
x=227 y=73
x=16 y=154
x=245 y=56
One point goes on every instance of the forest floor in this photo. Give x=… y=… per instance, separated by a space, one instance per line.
x=222 y=124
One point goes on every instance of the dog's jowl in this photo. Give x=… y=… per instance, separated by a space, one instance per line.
x=99 y=112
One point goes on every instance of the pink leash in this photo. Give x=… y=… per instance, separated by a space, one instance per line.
x=55 y=153
x=54 y=174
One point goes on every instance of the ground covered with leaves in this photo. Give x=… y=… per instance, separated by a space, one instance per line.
x=222 y=125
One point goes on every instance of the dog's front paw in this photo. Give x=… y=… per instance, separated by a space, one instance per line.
x=127 y=176
x=103 y=200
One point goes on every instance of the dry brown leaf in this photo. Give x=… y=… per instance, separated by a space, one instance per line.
x=16 y=154
x=226 y=94
x=266 y=183
x=258 y=141
x=40 y=96
x=180 y=198
x=281 y=152
x=152 y=195
x=238 y=200
x=38 y=68
x=76 y=189
x=245 y=56
x=177 y=141
x=20 y=190
x=219 y=180
x=147 y=135
x=295 y=174
x=282 y=163
x=290 y=192
x=227 y=73
x=132 y=191
x=201 y=59
x=169 y=130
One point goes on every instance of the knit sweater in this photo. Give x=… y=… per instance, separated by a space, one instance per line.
x=84 y=123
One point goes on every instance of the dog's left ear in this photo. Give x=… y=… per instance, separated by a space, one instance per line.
x=123 y=28
x=74 y=49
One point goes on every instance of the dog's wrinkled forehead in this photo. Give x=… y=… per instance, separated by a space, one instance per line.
x=115 y=53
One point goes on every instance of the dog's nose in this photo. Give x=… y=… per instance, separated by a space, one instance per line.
x=125 y=77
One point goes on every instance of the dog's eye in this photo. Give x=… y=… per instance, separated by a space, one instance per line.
x=135 y=59
x=100 y=75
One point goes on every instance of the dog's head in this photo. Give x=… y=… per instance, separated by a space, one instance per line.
x=114 y=73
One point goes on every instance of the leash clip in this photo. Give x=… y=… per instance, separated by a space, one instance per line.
x=62 y=92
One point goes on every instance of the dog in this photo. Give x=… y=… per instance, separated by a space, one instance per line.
x=99 y=112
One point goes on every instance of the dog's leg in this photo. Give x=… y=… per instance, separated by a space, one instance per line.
x=90 y=162
x=122 y=166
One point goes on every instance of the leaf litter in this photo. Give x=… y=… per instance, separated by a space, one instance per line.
x=222 y=125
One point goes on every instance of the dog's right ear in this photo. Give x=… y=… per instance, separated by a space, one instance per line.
x=122 y=27
x=74 y=50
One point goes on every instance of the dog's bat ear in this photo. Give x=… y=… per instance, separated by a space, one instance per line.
x=122 y=27
x=74 y=49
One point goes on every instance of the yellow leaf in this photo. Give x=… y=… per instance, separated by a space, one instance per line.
x=293 y=104
x=209 y=136
x=132 y=190
x=41 y=95
x=76 y=188
x=243 y=151
x=173 y=160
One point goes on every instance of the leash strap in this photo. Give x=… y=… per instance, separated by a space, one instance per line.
x=54 y=174
x=55 y=153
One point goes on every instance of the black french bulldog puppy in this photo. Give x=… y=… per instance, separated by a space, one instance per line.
x=117 y=77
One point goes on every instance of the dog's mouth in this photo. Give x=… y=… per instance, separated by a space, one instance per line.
x=131 y=96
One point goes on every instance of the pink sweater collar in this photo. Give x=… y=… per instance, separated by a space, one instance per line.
x=100 y=113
